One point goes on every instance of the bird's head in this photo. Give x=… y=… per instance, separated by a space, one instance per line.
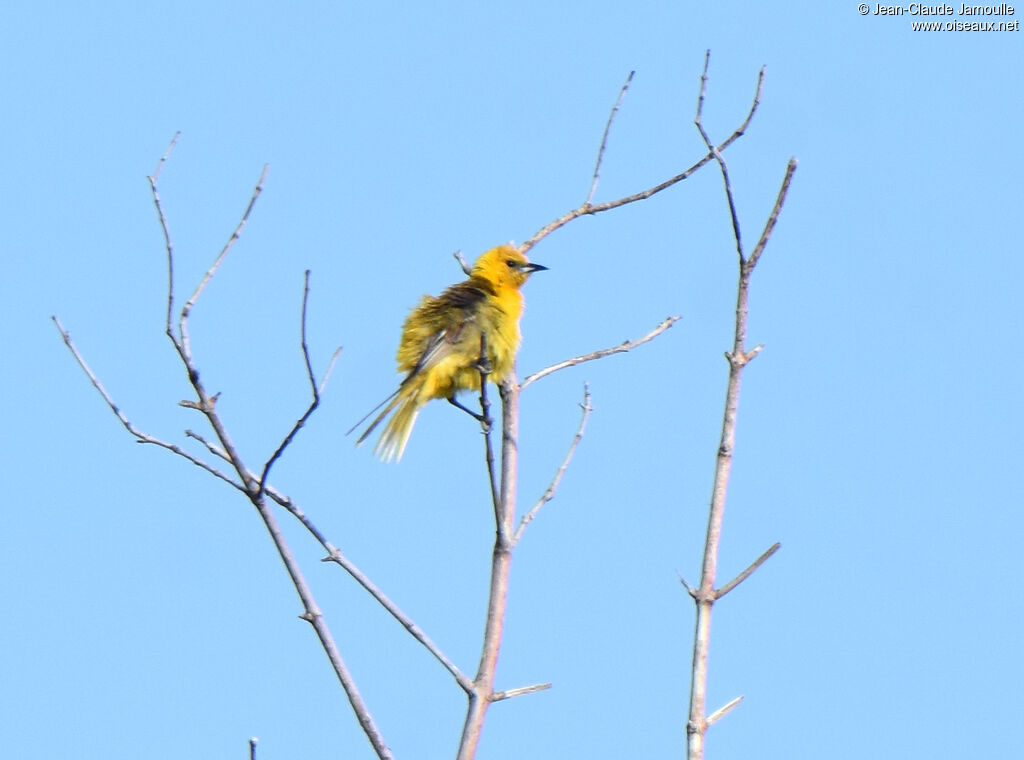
x=505 y=266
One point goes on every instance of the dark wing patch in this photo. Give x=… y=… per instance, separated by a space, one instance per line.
x=467 y=294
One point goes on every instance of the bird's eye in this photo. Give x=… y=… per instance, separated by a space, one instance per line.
x=511 y=263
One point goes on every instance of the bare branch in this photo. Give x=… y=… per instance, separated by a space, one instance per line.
x=699 y=122
x=628 y=345
x=501 y=561
x=314 y=617
x=549 y=494
x=336 y=556
x=417 y=633
x=237 y=233
x=139 y=435
x=586 y=209
x=604 y=138
x=510 y=693
x=746 y=573
x=312 y=385
x=705 y=596
x=252 y=747
x=168 y=246
x=774 y=216
x=312 y=613
x=255 y=492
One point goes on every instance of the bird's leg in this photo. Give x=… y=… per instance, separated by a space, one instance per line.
x=478 y=417
x=483 y=366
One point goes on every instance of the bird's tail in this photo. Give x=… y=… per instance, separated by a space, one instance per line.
x=406 y=406
x=396 y=432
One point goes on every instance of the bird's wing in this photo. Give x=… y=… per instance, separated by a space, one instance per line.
x=458 y=304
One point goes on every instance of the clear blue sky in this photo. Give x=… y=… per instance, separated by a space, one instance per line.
x=145 y=613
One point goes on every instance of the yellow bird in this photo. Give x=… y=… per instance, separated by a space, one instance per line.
x=440 y=347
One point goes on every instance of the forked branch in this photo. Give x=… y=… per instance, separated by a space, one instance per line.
x=254 y=488
x=336 y=556
x=314 y=388
x=705 y=594
x=483 y=693
x=587 y=208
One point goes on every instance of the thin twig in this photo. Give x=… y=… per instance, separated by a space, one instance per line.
x=312 y=613
x=414 y=630
x=769 y=226
x=187 y=308
x=168 y=246
x=254 y=491
x=604 y=138
x=719 y=593
x=627 y=345
x=337 y=557
x=140 y=436
x=316 y=390
x=699 y=122
x=549 y=494
x=644 y=194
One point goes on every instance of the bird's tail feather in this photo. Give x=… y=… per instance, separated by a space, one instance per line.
x=376 y=421
x=396 y=432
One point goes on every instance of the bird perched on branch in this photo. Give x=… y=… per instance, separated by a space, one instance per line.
x=441 y=342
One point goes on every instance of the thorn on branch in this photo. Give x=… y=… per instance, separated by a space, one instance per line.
x=689 y=589
x=721 y=712
x=510 y=693
x=739 y=360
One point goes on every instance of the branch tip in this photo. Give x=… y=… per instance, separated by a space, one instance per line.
x=604 y=141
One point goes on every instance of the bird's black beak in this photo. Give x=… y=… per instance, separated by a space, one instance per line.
x=531 y=267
